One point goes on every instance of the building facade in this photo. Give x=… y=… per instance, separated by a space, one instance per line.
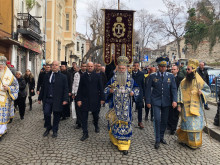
x=81 y=47
x=61 y=30
x=172 y=50
x=6 y=29
x=29 y=30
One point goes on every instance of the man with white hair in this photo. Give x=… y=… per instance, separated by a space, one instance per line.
x=8 y=93
x=119 y=117
x=54 y=94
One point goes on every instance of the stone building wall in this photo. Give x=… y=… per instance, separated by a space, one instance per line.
x=203 y=53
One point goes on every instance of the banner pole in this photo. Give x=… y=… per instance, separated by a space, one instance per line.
x=118 y=4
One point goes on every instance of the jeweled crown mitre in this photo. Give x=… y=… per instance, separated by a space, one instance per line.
x=193 y=63
x=122 y=60
x=3 y=60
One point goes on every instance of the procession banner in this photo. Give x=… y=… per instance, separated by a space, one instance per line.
x=118 y=33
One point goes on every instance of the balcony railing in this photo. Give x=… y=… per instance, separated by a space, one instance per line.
x=25 y=21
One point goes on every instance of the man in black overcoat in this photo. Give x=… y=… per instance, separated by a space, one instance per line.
x=138 y=77
x=41 y=77
x=109 y=71
x=103 y=76
x=66 y=108
x=174 y=113
x=54 y=95
x=205 y=76
x=90 y=96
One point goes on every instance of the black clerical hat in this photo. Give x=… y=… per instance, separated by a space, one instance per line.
x=63 y=63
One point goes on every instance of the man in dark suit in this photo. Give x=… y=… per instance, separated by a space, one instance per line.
x=66 y=108
x=138 y=77
x=41 y=77
x=161 y=92
x=174 y=113
x=90 y=96
x=54 y=95
x=109 y=71
x=103 y=76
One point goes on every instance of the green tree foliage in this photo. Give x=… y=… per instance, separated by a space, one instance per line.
x=202 y=26
x=29 y=4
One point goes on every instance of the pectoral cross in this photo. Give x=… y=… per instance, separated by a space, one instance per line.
x=7 y=78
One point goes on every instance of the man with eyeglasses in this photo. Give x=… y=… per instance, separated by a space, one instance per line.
x=191 y=95
x=161 y=94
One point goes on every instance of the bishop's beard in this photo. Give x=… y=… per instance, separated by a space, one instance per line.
x=190 y=77
x=121 y=78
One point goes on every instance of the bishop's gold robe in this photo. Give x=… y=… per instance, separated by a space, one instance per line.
x=192 y=116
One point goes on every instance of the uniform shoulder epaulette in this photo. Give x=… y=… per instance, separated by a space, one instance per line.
x=155 y=73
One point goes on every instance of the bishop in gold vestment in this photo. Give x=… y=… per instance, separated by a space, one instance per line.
x=8 y=93
x=192 y=93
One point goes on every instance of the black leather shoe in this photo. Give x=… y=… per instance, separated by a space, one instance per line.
x=54 y=135
x=146 y=118
x=207 y=108
x=125 y=152
x=10 y=121
x=84 y=137
x=157 y=145
x=163 y=141
x=78 y=127
x=172 y=132
x=46 y=132
x=97 y=130
x=63 y=118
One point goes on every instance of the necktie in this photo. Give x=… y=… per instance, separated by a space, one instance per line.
x=162 y=75
x=53 y=78
x=89 y=76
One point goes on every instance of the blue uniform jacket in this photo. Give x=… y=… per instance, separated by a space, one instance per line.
x=161 y=93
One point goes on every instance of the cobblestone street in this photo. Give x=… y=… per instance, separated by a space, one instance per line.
x=24 y=144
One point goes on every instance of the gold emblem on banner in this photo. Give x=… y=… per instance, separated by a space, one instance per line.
x=118 y=28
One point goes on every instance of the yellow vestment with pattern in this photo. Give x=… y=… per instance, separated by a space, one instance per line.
x=192 y=116
x=7 y=98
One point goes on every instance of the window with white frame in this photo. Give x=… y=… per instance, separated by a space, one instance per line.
x=67 y=21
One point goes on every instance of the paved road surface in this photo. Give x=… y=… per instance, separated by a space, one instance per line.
x=24 y=144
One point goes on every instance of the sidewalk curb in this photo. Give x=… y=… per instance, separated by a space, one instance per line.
x=214 y=130
x=212 y=103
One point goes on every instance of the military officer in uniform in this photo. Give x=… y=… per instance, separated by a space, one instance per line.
x=161 y=92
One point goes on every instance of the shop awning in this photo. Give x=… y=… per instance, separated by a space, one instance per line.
x=9 y=41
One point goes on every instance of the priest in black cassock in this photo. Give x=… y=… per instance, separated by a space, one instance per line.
x=66 y=108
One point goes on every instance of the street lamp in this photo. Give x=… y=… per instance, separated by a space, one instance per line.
x=82 y=49
x=137 y=48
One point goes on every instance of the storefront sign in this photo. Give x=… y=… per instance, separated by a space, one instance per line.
x=32 y=45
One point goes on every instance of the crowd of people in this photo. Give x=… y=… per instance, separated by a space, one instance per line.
x=166 y=93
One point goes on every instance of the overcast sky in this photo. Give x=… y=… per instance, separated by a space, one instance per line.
x=153 y=6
